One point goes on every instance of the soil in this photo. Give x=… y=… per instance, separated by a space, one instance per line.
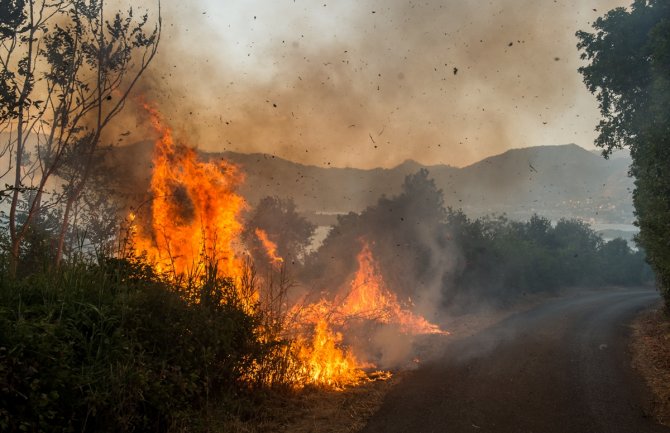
x=651 y=358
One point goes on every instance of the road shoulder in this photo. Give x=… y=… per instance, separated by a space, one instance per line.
x=650 y=347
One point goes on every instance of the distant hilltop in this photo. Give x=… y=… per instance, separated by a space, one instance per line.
x=554 y=181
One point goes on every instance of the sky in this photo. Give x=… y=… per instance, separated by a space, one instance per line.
x=371 y=83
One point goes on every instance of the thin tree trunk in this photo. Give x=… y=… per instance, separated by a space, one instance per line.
x=16 y=236
x=63 y=228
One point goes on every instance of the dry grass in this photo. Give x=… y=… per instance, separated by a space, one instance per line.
x=319 y=410
x=651 y=357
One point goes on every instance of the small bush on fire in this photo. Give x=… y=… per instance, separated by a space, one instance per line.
x=111 y=346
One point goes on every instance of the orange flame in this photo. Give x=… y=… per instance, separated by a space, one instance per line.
x=324 y=360
x=370 y=299
x=194 y=212
x=195 y=220
x=321 y=356
x=270 y=247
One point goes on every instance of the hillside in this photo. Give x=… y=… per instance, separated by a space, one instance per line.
x=555 y=181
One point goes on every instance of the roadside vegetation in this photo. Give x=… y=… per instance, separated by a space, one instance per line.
x=432 y=252
x=111 y=346
x=628 y=59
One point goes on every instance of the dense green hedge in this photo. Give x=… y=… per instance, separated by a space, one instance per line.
x=627 y=62
x=112 y=347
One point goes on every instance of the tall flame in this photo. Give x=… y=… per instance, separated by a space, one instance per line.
x=194 y=211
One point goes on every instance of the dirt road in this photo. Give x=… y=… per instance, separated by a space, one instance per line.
x=561 y=367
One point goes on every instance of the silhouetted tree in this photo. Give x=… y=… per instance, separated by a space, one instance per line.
x=66 y=69
x=278 y=217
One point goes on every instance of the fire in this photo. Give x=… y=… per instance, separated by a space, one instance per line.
x=194 y=210
x=323 y=360
x=370 y=299
x=270 y=247
x=194 y=222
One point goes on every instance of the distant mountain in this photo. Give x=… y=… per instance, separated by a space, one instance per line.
x=317 y=189
x=554 y=181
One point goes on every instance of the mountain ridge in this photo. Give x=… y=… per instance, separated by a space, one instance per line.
x=555 y=181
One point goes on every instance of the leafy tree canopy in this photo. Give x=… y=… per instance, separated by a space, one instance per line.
x=629 y=72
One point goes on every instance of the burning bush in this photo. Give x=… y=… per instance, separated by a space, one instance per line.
x=407 y=237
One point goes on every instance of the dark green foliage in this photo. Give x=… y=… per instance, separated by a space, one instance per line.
x=629 y=60
x=503 y=260
x=113 y=347
x=423 y=249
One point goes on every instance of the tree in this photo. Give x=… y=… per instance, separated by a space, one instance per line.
x=620 y=264
x=66 y=70
x=629 y=60
x=404 y=233
x=280 y=221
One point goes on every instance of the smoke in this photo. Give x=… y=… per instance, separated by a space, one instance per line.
x=372 y=83
x=369 y=84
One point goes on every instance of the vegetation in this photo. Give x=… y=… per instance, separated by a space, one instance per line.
x=112 y=346
x=429 y=252
x=66 y=70
x=629 y=60
x=503 y=260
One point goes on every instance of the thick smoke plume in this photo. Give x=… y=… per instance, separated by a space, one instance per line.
x=375 y=82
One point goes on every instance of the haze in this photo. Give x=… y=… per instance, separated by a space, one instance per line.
x=373 y=83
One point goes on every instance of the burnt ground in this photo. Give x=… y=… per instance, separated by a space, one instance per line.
x=563 y=366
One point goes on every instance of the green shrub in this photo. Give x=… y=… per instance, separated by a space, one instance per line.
x=113 y=347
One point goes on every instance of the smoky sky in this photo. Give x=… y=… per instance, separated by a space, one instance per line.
x=372 y=83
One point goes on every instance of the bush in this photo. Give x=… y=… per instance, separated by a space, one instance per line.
x=113 y=347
